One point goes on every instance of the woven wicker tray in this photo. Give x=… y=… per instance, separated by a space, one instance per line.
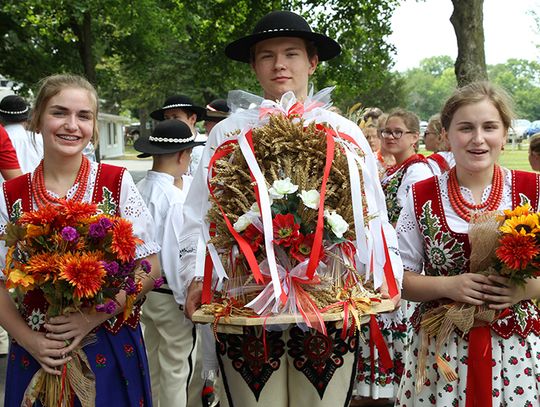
x=234 y=324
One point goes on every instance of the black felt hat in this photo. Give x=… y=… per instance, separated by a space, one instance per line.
x=282 y=24
x=13 y=109
x=178 y=102
x=169 y=136
x=216 y=110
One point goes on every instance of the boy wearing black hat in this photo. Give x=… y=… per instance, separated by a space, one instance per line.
x=283 y=53
x=14 y=113
x=216 y=111
x=169 y=335
x=181 y=107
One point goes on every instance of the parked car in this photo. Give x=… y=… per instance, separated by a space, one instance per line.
x=532 y=129
x=517 y=130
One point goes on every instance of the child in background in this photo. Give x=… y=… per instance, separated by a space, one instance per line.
x=170 y=337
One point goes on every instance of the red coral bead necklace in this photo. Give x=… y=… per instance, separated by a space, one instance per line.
x=462 y=207
x=42 y=196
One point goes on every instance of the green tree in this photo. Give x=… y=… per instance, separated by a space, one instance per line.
x=521 y=78
x=429 y=85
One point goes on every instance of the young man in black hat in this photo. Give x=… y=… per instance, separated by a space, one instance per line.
x=170 y=337
x=283 y=53
x=13 y=116
x=216 y=111
x=181 y=107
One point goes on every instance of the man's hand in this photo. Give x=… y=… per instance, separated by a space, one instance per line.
x=193 y=298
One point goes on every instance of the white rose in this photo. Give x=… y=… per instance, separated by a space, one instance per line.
x=310 y=198
x=282 y=187
x=242 y=223
x=336 y=223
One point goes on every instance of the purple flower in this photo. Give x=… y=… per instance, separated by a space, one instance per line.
x=127 y=268
x=111 y=268
x=105 y=223
x=69 y=234
x=109 y=307
x=146 y=266
x=96 y=231
x=130 y=287
x=158 y=282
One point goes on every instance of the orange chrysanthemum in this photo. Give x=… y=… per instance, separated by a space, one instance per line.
x=77 y=211
x=84 y=272
x=517 y=251
x=43 y=216
x=43 y=266
x=123 y=242
x=36 y=230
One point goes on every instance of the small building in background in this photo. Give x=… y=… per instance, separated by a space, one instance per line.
x=111 y=135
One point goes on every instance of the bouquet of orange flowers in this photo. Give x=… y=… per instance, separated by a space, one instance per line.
x=518 y=254
x=80 y=257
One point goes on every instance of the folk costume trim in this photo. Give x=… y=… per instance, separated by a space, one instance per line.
x=441 y=162
x=392 y=181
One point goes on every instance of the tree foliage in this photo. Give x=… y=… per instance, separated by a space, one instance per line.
x=138 y=52
x=429 y=85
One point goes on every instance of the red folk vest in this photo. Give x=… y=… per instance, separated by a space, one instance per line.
x=447 y=252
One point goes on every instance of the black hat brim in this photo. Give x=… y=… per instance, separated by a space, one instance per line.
x=14 y=118
x=239 y=50
x=147 y=148
x=198 y=110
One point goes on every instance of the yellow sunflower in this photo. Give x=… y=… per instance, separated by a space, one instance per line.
x=524 y=225
x=520 y=210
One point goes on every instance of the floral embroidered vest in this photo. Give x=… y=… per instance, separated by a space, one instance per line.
x=391 y=183
x=447 y=253
x=18 y=196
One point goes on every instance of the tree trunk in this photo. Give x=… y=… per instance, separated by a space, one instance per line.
x=84 y=45
x=467 y=19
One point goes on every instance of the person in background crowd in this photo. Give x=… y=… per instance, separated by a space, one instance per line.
x=497 y=363
x=534 y=152
x=65 y=113
x=216 y=111
x=181 y=107
x=375 y=381
x=14 y=113
x=371 y=133
x=169 y=336
x=9 y=165
x=442 y=159
x=384 y=158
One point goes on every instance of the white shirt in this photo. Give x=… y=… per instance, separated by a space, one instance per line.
x=196 y=154
x=193 y=244
x=132 y=208
x=449 y=158
x=165 y=202
x=28 y=146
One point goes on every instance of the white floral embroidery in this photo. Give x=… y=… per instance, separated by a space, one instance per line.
x=36 y=319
